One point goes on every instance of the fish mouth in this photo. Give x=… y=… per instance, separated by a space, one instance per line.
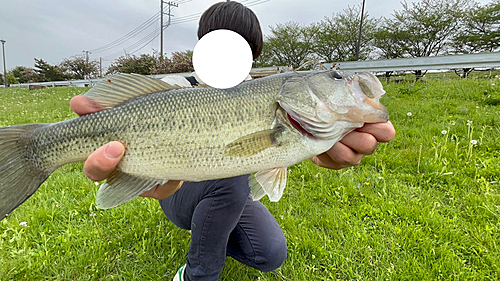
x=323 y=113
x=297 y=126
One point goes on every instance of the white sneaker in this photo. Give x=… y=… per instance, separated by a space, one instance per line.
x=179 y=276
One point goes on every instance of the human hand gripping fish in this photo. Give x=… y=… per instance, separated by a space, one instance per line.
x=172 y=134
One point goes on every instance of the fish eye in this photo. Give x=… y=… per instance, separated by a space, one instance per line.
x=336 y=75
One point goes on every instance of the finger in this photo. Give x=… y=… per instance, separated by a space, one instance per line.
x=338 y=157
x=383 y=132
x=160 y=192
x=103 y=161
x=82 y=105
x=363 y=143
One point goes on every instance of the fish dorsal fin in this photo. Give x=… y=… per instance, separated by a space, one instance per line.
x=271 y=182
x=252 y=144
x=120 y=88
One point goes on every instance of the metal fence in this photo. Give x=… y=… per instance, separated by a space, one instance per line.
x=481 y=60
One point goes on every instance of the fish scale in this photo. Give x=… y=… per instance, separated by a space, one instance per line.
x=193 y=134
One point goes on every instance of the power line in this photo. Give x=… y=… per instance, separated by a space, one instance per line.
x=196 y=16
x=186 y=18
x=138 y=45
x=131 y=49
x=132 y=33
x=127 y=36
x=258 y=3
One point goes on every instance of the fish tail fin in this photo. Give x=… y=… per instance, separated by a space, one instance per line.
x=19 y=178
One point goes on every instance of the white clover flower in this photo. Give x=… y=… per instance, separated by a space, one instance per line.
x=473 y=142
x=409 y=114
x=96 y=183
x=469 y=122
x=444 y=132
x=24 y=223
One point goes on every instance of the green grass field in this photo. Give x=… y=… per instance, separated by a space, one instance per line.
x=425 y=206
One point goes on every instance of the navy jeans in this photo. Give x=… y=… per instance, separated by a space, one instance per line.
x=225 y=221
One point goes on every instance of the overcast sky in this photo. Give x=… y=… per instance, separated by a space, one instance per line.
x=56 y=29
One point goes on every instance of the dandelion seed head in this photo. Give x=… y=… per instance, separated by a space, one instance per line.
x=24 y=223
x=473 y=142
x=96 y=183
x=409 y=114
x=444 y=132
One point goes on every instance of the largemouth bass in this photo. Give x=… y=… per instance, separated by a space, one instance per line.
x=261 y=126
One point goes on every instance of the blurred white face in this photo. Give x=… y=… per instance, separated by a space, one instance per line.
x=222 y=59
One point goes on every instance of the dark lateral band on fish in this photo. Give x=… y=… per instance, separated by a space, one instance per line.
x=261 y=126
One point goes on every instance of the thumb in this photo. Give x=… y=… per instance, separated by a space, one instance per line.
x=83 y=105
x=103 y=161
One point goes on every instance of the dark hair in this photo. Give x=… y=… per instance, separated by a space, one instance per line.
x=236 y=17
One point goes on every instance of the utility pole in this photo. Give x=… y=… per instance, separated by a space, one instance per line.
x=170 y=5
x=86 y=71
x=161 y=30
x=5 y=80
x=360 y=27
x=100 y=67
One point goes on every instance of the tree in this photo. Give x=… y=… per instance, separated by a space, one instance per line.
x=47 y=72
x=265 y=58
x=423 y=29
x=182 y=62
x=78 y=67
x=337 y=37
x=388 y=41
x=24 y=74
x=10 y=78
x=480 y=29
x=289 y=44
x=179 y=63
x=479 y=32
x=133 y=64
x=420 y=30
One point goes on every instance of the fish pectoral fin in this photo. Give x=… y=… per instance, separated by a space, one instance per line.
x=120 y=88
x=254 y=143
x=121 y=187
x=271 y=182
